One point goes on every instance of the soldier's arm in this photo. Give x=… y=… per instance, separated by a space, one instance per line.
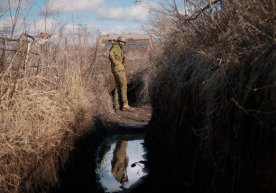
x=112 y=54
x=125 y=61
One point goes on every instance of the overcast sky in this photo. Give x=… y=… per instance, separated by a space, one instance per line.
x=103 y=16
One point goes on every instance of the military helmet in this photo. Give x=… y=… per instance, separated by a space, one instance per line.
x=121 y=39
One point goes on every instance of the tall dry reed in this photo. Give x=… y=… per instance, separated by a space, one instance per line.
x=213 y=123
x=46 y=101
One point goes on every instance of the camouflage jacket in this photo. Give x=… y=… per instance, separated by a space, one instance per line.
x=116 y=57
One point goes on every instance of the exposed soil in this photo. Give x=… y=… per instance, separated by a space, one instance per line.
x=139 y=116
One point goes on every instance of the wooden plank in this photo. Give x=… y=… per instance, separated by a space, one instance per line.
x=8 y=39
x=128 y=37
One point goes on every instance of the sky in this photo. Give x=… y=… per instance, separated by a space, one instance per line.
x=97 y=16
x=135 y=153
x=101 y=16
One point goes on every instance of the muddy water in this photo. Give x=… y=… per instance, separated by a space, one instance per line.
x=120 y=163
x=110 y=159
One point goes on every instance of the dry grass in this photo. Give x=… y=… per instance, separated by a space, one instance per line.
x=43 y=107
x=238 y=31
x=48 y=100
x=216 y=81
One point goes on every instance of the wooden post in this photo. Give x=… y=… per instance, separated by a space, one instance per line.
x=2 y=59
x=27 y=57
x=150 y=43
x=27 y=53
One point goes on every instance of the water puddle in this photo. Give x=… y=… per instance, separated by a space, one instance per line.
x=120 y=163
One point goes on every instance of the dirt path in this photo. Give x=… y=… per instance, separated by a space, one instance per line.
x=138 y=118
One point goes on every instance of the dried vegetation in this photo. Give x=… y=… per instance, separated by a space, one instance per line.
x=48 y=98
x=213 y=99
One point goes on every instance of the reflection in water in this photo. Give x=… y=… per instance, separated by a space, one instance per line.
x=117 y=165
x=119 y=162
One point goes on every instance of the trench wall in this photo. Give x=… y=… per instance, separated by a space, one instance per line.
x=213 y=128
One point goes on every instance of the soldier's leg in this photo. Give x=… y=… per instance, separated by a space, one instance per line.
x=123 y=87
x=116 y=99
x=119 y=161
x=116 y=92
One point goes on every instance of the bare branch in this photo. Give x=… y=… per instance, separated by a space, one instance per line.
x=14 y=19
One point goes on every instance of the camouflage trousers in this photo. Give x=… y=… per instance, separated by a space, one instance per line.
x=120 y=161
x=120 y=94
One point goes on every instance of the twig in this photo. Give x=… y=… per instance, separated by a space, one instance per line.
x=204 y=9
x=237 y=104
x=261 y=112
x=264 y=87
x=8 y=39
x=13 y=50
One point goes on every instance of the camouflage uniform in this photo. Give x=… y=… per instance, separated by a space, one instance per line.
x=116 y=57
x=119 y=162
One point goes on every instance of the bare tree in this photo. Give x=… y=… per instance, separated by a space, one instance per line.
x=14 y=19
x=45 y=13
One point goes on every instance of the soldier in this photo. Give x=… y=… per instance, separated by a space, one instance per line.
x=117 y=59
x=119 y=162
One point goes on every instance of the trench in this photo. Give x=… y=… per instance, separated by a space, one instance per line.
x=89 y=168
x=111 y=157
x=181 y=156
